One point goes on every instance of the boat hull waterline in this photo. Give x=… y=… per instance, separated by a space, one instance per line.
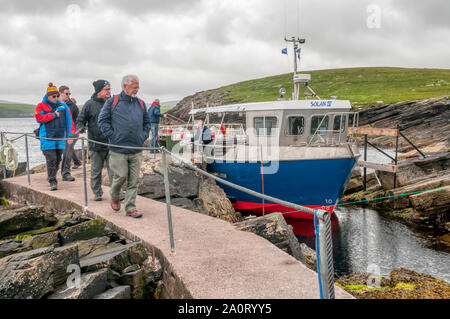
x=317 y=183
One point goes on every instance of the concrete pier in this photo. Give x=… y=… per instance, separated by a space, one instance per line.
x=212 y=260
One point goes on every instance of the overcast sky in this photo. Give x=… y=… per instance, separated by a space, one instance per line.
x=179 y=47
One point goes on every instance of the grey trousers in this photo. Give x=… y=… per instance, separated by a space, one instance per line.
x=68 y=155
x=125 y=167
x=98 y=161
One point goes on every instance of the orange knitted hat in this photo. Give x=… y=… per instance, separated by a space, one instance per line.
x=51 y=89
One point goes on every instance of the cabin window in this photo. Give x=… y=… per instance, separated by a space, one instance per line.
x=337 y=123
x=264 y=125
x=319 y=119
x=296 y=125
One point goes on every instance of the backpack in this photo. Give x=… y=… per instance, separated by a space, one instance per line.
x=116 y=99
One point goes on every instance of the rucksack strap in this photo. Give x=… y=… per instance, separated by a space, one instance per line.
x=116 y=99
x=142 y=104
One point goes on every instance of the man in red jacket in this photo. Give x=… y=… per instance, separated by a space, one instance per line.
x=56 y=124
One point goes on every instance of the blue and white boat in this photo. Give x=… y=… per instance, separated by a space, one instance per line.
x=295 y=150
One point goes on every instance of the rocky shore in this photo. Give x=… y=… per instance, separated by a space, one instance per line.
x=66 y=255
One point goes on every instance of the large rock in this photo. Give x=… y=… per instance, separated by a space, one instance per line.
x=90 y=246
x=274 y=228
x=91 y=284
x=401 y=284
x=8 y=247
x=36 y=273
x=117 y=258
x=213 y=201
x=137 y=281
x=87 y=230
x=24 y=219
x=424 y=122
x=411 y=170
x=43 y=240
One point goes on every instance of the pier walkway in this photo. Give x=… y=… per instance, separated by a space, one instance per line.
x=213 y=259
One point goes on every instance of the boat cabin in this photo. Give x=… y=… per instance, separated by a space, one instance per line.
x=293 y=122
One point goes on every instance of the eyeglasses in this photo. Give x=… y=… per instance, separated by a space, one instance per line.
x=53 y=96
x=68 y=93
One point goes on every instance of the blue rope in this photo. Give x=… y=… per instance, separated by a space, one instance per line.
x=316 y=231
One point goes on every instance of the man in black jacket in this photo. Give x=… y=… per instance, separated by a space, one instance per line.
x=124 y=120
x=98 y=153
x=69 y=151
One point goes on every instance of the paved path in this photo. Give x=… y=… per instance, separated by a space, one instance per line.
x=213 y=259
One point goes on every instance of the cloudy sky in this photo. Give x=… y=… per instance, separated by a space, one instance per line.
x=179 y=47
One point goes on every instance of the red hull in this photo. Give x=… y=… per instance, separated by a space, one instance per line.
x=297 y=219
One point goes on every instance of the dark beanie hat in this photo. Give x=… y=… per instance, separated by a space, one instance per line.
x=99 y=85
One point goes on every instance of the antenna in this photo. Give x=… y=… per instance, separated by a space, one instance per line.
x=295 y=42
x=298 y=79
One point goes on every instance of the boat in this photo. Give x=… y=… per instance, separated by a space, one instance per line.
x=296 y=150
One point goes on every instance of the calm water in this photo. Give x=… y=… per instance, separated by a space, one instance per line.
x=25 y=125
x=360 y=236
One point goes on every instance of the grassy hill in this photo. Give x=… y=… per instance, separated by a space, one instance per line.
x=8 y=109
x=362 y=86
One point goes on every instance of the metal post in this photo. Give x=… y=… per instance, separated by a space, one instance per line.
x=411 y=143
x=396 y=153
x=326 y=254
x=365 y=160
x=4 y=166
x=167 y=191
x=28 y=160
x=83 y=156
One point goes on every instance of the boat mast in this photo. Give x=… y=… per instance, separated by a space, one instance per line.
x=296 y=42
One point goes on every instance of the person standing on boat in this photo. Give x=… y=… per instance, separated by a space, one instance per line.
x=124 y=120
x=98 y=153
x=56 y=123
x=202 y=134
x=154 y=113
x=69 y=151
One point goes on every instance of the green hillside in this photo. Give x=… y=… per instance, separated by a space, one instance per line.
x=362 y=86
x=16 y=110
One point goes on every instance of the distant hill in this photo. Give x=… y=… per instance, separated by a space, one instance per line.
x=364 y=87
x=13 y=109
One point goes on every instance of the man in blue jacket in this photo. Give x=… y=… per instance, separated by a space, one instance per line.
x=124 y=120
x=154 y=113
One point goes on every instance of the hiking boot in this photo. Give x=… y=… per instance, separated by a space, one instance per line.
x=53 y=186
x=68 y=178
x=98 y=198
x=134 y=213
x=115 y=204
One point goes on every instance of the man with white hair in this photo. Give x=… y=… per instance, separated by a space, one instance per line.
x=124 y=120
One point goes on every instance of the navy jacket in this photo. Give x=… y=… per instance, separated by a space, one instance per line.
x=154 y=113
x=127 y=125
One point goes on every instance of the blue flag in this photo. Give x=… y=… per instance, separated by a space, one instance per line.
x=284 y=51
x=298 y=53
